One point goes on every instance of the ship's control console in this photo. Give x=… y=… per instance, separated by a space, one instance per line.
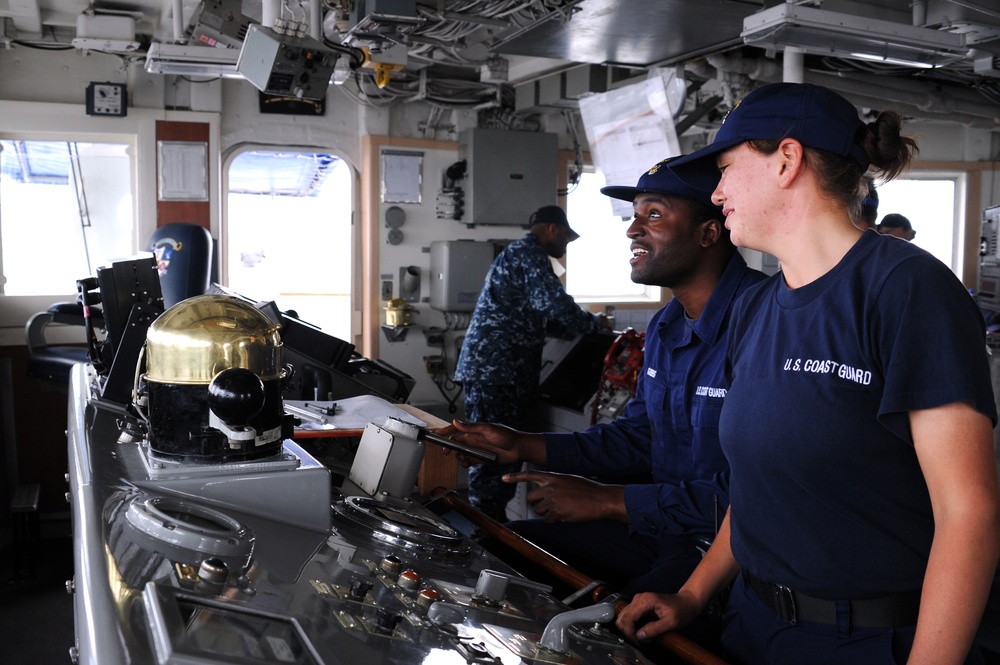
x=263 y=562
x=203 y=534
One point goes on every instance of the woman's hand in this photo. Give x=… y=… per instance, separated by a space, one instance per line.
x=650 y=615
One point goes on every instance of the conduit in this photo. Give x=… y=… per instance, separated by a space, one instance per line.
x=177 y=9
x=871 y=90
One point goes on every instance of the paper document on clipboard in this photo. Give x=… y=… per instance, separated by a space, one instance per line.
x=350 y=413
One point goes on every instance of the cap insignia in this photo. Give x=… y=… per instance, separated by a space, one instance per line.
x=656 y=167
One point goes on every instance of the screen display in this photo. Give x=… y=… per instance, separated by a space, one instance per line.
x=239 y=637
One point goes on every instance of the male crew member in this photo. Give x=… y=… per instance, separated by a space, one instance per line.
x=664 y=477
x=897 y=225
x=521 y=302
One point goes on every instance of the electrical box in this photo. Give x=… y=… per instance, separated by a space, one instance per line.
x=458 y=272
x=285 y=65
x=386 y=463
x=220 y=24
x=989 y=242
x=107 y=99
x=509 y=175
x=988 y=293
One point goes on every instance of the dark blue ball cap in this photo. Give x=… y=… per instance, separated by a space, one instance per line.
x=552 y=215
x=661 y=180
x=813 y=115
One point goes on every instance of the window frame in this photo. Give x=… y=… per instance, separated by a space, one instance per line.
x=971 y=199
x=960 y=229
x=28 y=122
x=42 y=121
x=235 y=151
x=656 y=296
x=90 y=193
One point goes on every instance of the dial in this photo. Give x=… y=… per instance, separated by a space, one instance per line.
x=106 y=99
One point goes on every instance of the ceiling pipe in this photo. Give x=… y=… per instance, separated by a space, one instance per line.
x=177 y=9
x=942 y=105
x=968 y=4
x=879 y=102
x=884 y=90
x=793 y=63
x=697 y=114
x=270 y=12
x=315 y=21
x=930 y=106
x=701 y=68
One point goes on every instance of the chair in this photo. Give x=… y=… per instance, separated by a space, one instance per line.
x=52 y=363
x=184 y=260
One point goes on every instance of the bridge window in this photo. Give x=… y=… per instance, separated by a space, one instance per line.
x=597 y=263
x=67 y=210
x=932 y=203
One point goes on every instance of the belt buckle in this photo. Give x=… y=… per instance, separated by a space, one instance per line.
x=784 y=599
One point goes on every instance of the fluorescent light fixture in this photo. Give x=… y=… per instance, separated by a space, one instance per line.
x=822 y=32
x=186 y=60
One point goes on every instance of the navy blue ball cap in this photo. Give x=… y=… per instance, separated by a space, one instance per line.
x=815 y=116
x=552 y=215
x=661 y=180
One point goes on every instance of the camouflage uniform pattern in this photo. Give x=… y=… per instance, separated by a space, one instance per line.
x=522 y=301
x=494 y=404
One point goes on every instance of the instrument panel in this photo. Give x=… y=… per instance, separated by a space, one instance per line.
x=267 y=562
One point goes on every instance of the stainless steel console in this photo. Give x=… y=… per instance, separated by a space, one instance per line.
x=265 y=561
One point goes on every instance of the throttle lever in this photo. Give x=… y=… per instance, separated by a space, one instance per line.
x=554 y=635
x=417 y=433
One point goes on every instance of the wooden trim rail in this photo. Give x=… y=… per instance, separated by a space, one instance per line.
x=674 y=643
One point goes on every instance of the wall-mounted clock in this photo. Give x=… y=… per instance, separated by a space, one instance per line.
x=110 y=99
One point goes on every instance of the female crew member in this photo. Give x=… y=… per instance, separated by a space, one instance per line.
x=864 y=524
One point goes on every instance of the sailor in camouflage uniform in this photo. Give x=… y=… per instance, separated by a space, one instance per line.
x=521 y=302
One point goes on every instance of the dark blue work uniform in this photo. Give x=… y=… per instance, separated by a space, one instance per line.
x=665 y=449
x=828 y=498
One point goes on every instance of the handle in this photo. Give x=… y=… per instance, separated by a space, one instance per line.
x=554 y=635
x=484 y=455
x=411 y=431
x=676 y=644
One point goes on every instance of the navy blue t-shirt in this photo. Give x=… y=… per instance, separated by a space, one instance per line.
x=826 y=492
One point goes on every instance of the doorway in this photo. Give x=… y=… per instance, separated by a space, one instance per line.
x=288 y=233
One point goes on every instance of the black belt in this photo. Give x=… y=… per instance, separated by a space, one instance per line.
x=898 y=609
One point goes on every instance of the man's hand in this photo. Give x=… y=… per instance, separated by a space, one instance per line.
x=563 y=498
x=650 y=615
x=499 y=439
